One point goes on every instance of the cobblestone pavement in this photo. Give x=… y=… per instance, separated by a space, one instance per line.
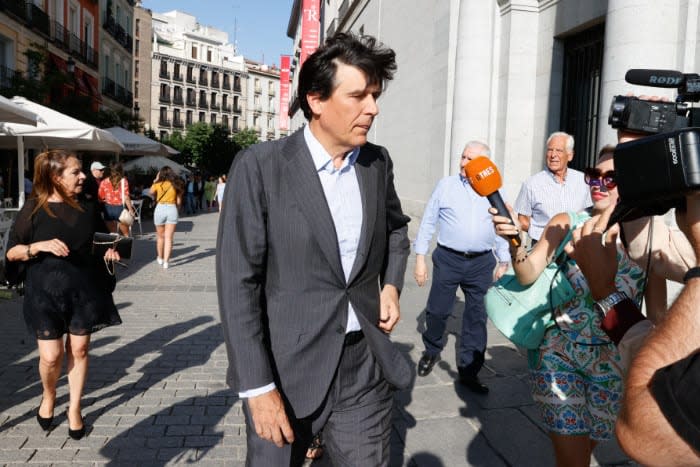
x=156 y=392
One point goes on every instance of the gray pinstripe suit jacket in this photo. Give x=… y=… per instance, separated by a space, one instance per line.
x=283 y=296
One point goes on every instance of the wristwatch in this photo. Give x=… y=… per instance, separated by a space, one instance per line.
x=604 y=305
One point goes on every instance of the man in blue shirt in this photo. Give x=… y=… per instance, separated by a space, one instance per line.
x=464 y=257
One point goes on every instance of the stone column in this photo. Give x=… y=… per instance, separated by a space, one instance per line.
x=473 y=78
x=641 y=34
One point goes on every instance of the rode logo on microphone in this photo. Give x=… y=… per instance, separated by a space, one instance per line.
x=673 y=151
x=675 y=81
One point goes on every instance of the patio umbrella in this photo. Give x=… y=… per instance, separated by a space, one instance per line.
x=139 y=145
x=55 y=131
x=154 y=163
x=12 y=113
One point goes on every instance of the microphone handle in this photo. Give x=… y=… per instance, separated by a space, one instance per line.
x=497 y=202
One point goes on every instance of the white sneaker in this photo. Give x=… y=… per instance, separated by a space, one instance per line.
x=165 y=265
x=160 y=261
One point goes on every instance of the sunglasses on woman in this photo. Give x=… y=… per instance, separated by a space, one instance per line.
x=594 y=177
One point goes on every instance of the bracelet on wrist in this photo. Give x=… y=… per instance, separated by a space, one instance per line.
x=29 y=252
x=691 y=274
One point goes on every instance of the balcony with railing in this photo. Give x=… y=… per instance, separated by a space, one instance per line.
x=203 y=104
x=215 y=106
x=258 y=89
x=125 y=97
x=177 y=99
x=203 y=81
x=164 y=122
x=191 y=80
x=164 y=73
x=177 y=123
x=119 y=34
x=215 y=81
x=235 y=126
x=227 y=83
x=191 y=102
x=271 y=91
x=226 y=107
x=164 y=98
x=177 y=77
x=8 y=77
x=109 y=88
x=237 y=85
x=237 y=108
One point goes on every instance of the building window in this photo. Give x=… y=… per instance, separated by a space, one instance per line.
x=136 y=68
x=188 y=117
x=202 y=117
x=194 y=52
x=138 y=27
x=209 y=55
x=136 y=89
x=163 y=135
x=213 y=119
x=580 y=106
x=137 y=44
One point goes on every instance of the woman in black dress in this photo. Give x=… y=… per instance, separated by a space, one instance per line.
x=68 y=290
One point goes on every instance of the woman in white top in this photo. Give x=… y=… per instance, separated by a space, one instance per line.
x=220 y=191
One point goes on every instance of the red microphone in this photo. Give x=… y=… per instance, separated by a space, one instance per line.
x=484 y=177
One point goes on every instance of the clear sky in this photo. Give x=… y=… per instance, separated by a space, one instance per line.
x=260 y=25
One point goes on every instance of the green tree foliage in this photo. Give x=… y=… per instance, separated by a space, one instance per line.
x=246 y=137
x=208 y=147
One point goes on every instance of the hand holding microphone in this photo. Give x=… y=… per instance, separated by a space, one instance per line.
x=485 y=179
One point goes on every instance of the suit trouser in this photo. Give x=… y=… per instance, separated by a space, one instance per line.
x=355 y=418
x=473 y=276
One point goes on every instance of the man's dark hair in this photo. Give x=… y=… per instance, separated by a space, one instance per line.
x=317 y=74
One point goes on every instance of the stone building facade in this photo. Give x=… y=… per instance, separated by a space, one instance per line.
x=508 y=72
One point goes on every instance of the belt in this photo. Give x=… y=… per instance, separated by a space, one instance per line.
x=468 y=255
x=353 y=337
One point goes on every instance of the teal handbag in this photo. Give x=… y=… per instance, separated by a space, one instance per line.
x=523 y=313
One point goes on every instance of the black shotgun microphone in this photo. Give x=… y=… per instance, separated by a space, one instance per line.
x=655 y=78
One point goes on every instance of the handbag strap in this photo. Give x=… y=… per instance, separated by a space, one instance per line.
x=123 y=201
x=161 y=196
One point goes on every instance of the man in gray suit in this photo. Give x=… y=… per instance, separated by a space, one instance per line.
x=311 y=255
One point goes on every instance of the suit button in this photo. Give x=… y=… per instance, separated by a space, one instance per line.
x=340 y=329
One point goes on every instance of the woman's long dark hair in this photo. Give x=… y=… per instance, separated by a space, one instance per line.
x=166 y=173
x=116 y=173
x=49 y=166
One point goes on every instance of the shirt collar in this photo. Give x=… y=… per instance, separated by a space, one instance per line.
x=321 y=157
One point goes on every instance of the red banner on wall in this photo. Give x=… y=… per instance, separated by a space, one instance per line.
x=285 y=61
x=310 y=28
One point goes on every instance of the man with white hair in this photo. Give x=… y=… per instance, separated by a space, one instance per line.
x=553 y=190
x=464 y=257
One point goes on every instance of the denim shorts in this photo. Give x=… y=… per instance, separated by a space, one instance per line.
x=113 y=211
x=165 y=214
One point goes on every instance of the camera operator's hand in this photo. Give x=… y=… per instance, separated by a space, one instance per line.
x=596 y=260
x=689 y=221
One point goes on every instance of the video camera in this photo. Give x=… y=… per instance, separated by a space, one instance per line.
x=655 y=172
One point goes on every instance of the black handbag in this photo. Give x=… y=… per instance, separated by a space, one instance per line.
x=101 y=242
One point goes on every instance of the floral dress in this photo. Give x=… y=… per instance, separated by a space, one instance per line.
x=576 y=376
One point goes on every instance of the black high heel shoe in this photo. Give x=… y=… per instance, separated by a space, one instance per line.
x=44 y=423
x=75 y=434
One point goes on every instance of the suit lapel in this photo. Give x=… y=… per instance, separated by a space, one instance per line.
x=367 y=179
x=305 y=185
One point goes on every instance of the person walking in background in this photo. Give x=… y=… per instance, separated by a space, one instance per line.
x=210 y=192
x=553 y=190
x=576 y=373
x=167 y=191
x=68 y=289
x=220 y=188
x=463 y=258
x=189 y=195
x=198 y=192
x=92 y=181
x=311 y=256
x=114 y=194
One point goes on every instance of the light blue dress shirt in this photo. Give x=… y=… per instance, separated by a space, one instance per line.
x=342 y=191
x=462 y=219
